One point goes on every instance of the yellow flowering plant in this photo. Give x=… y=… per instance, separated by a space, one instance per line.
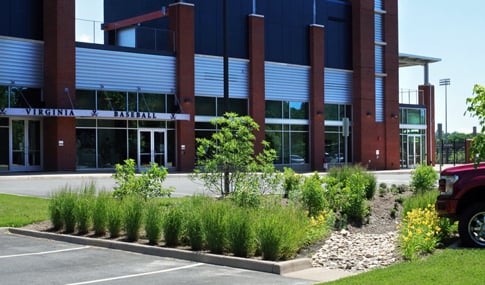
x=320 y=225
x=419 y=232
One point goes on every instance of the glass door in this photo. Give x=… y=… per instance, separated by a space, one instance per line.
x=414 y=150
x=25 y=141
x=151 y=147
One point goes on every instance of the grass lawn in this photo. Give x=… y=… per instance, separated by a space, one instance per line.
x=17 y=211
x=449 y=266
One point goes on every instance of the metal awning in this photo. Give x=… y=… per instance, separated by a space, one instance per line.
x=406 y=60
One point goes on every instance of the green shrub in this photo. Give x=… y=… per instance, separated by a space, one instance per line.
x=370 y=184
x=172 y=226
x=241 y=232
x=247 y=197
x=153 y=222
x=423 y=178
x=355 y=207
x=292 y=182
x=147 y=185
x=55 y=211
x=100 y=213
x=133 y=222
x=214 y=221
x=312 y=195
x=115 y=215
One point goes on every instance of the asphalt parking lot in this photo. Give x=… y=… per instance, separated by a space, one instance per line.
x=28 y=260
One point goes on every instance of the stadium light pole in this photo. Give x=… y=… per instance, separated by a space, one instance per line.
x=445 y=82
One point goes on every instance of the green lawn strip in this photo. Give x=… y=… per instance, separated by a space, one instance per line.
x=17 y=211
x=449 y=266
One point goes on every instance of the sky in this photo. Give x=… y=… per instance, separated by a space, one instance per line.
x=453 y=31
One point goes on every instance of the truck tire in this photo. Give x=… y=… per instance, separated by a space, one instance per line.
x=471 y=226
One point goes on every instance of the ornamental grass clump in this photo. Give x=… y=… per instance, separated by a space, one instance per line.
x=84 y=206
x=419 y=232
x=281 y=232
x=134 y=206
x=68 y=209
x=241 y=233
x=100 y=213
x=115 y=217
x=153 y=222
x=172 y=225
x=55 y=211
x=214 y=222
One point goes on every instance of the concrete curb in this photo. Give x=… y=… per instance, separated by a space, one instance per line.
x=283 y=267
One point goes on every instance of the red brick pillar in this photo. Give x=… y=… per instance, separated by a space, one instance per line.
x=391 y=87
x=256 y=77
x=59 y=79
x=182 y=25
x=365 y=132
x=426 y=97
x=317 y=116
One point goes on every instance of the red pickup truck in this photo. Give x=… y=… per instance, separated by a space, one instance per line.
x=462 y=199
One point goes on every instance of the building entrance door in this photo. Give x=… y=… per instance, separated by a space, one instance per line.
x=152 y=147
x=414 y=150
x=25 y=138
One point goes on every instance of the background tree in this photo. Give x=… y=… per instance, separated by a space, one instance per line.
x=476 y=108
x=226 y=162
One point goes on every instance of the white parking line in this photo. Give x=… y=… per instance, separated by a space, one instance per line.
x=136 y=275
x=43 y=252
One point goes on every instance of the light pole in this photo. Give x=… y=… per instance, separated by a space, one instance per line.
x=446 y=82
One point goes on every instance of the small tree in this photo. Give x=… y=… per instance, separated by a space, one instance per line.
x=227 y=163
x=476 y=108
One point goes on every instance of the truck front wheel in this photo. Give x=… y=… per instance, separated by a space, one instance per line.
x=472 y=226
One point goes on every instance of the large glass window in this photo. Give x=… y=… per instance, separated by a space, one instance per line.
x=20 y=97
x=286 y=110
x=289 y=141
x=335 y=112
x=212 y=106
x=413 y=116
x=335 y=145
x=104 y=143
x=86 y=99
x=126 y=101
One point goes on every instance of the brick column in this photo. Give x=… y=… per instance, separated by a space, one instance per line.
x=364 y=128
x=59 y=79
x=257 y=106
x=317 y=116
x=182 y=25
x=391 y=87
x=426 y=98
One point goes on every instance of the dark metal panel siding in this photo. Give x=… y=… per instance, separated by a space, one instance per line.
x=21 y=61
x=338 y=35
x=209 y=27
x=21 y=18
x=286 y=29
